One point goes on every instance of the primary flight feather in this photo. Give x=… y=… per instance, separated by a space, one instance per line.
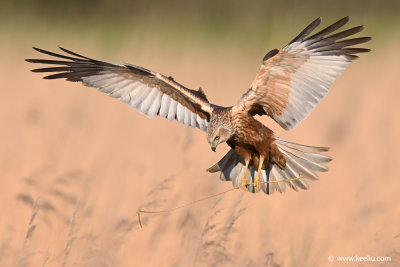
x=289 y=84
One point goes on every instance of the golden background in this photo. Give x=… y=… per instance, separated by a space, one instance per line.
x=75 y=165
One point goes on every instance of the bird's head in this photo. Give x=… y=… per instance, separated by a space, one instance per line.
x=218 y=136
x=219 y=130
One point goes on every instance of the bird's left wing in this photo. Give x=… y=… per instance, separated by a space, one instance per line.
x=291 y=82
x=149 y=92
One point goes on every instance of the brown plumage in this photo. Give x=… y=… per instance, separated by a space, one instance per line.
x=289 y=84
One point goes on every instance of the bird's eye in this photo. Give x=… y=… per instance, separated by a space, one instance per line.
x=217 y=137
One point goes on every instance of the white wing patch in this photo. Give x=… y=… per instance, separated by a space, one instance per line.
x=149 y=101
x=309 y=84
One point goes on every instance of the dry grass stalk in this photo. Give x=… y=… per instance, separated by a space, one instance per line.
x=217 y=235
x=31 y=225
x=71 y=236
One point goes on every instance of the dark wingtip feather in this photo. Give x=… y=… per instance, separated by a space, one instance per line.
x=73 y=53
x=67 y=75
x=331 y=28
x=345 y=20
x=270 y=54
x=55 y=76
x=30 y=60
x=52 y=69
x=43 y=51
x=356 y=50
x=351 y=57
x=354 y=41
x=346 y=33
x=307 y=30
x=55 y=54
x=37 y=49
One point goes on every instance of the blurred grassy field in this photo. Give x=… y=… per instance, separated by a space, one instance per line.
x=75 y=165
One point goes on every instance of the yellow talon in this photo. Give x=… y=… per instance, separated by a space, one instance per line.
x=244 y=183
x=257 y=183
x=244 y=180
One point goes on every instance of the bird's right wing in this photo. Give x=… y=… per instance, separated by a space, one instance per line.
x=291 y=82
x=149 y=92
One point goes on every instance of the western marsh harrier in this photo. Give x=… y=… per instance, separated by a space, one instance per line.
x=289 y=84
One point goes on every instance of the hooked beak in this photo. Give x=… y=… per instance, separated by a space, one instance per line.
x=213 y=146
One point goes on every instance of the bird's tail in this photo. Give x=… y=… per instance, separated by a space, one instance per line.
x=301 y=163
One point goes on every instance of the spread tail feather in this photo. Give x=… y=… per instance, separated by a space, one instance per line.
x=302 y=162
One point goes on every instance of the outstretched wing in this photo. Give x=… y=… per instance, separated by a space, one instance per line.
x=291 y=82
x=147 y=91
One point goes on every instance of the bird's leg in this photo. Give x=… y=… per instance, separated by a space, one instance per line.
x=244 y=180
x=257 y=183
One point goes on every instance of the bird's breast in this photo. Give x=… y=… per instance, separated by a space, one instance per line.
x=252 y=133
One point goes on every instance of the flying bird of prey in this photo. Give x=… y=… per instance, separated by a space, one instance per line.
x=288 y=85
